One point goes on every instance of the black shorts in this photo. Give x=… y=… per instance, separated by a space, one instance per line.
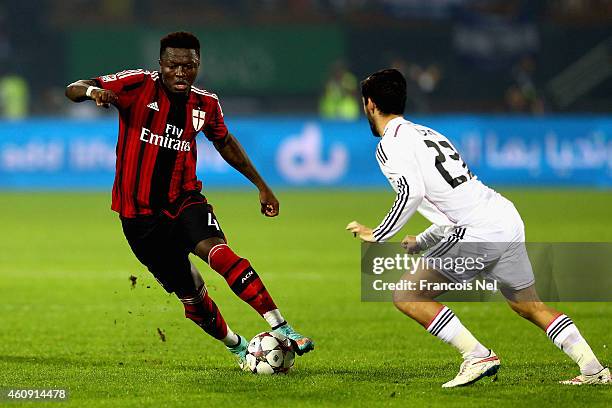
x=162 y=242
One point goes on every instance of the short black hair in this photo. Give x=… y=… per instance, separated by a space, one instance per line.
x=387 y=89
x=179 y=39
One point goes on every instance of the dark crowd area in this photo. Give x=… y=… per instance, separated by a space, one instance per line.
x=308 y=56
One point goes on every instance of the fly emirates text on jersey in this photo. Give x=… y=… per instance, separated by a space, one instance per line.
x=171 y=140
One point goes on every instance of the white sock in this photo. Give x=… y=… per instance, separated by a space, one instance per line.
x=564 y=333
x=448 y=328
x=232 y=339
x=274 y=318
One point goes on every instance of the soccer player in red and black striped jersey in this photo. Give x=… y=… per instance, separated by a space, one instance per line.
x=158 y=196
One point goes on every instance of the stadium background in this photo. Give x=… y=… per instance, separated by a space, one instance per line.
x=524 y=89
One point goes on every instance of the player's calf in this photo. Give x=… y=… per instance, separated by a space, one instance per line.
x=246 y=284
x=535 y=311
x=419 y=304
x=241 y=278
x=560 y=329
x=436 y=318
x=440 y=321
x=203 y=311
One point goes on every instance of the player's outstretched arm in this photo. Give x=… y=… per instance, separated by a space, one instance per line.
x=85 y=89
x=232 y=152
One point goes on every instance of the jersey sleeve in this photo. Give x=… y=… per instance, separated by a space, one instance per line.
x=125 y=84
x=214 y=128
x=432 y=235
x=401 y=169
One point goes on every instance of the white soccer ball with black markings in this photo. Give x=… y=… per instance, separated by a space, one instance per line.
x=270 y=353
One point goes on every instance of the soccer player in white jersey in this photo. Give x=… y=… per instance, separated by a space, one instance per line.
x=429 y=176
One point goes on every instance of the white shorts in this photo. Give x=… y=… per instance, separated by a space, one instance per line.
x=495 y=252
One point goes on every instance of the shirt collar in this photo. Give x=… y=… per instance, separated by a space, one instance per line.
x=393 y=123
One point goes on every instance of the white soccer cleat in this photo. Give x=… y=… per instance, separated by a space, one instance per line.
x=602 y=377
x=474 y=369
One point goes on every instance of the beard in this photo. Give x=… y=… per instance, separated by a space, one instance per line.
x=372 y=127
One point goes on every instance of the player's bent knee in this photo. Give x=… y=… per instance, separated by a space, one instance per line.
x=203 y=248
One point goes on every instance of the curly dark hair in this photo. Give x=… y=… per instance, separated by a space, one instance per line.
x=179 y=39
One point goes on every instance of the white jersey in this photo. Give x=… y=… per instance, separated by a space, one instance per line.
x=429 y=176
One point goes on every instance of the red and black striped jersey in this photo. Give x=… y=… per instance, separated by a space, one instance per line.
x=156 y=147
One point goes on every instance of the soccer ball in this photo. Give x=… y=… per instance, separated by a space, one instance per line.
x=270 y=353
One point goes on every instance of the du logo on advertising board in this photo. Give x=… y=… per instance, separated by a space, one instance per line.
x=301 y=158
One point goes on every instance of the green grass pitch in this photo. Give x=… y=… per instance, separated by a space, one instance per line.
x=70 y=319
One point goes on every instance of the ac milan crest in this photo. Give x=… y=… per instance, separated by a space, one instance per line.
x=197 y=117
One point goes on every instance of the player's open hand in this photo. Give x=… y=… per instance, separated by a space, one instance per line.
x=364 y=233
x=103 y=97
x=411 y=245
x=269 y=203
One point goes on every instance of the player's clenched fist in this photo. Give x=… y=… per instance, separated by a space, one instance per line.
x=103 y=97
x=269 y=203
x=363 y=232
x=411 y=245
